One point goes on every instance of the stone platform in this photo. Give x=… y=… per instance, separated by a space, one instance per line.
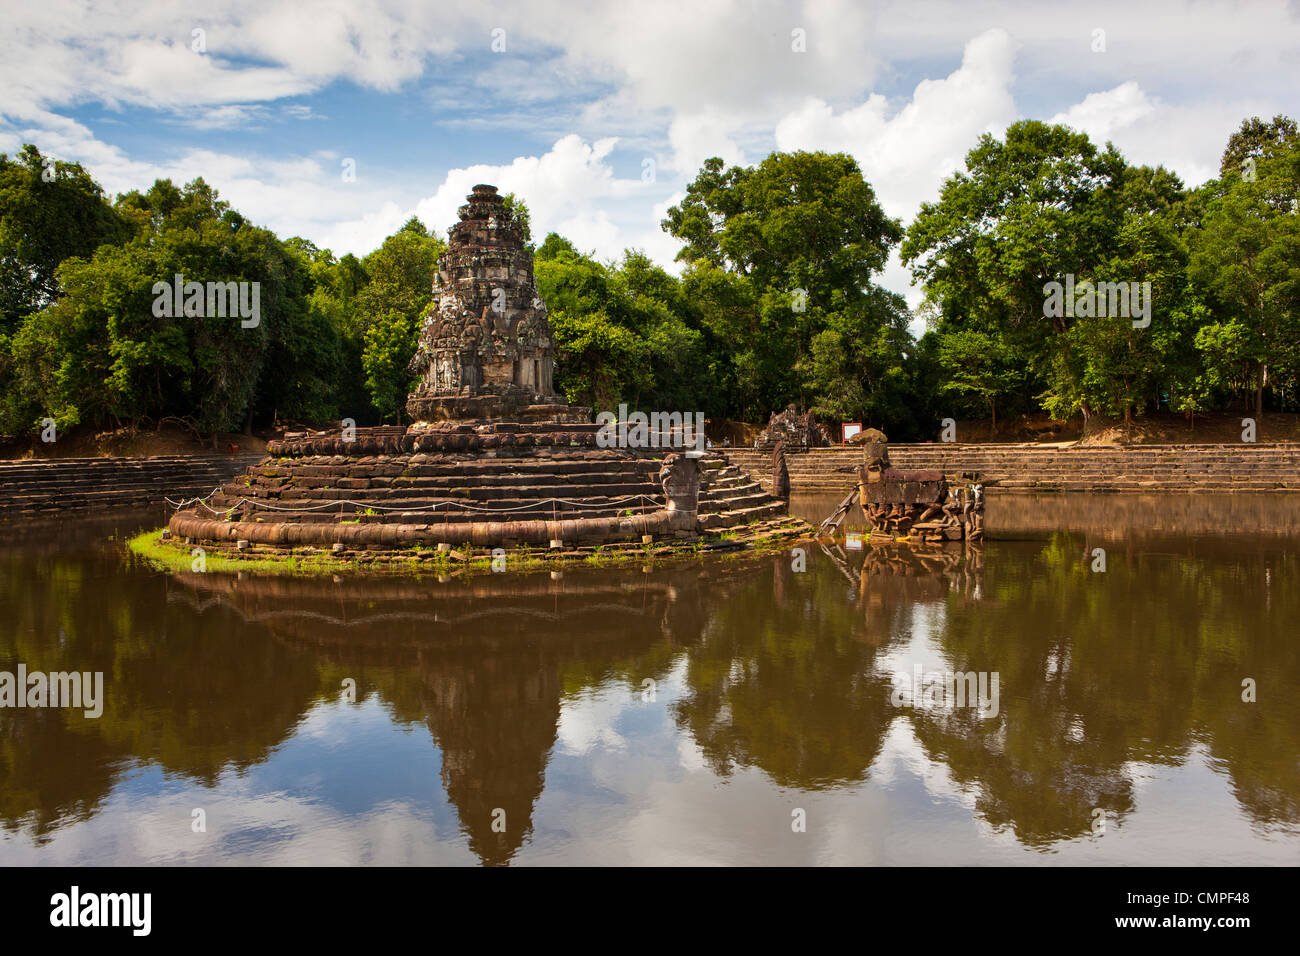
x=483 y=485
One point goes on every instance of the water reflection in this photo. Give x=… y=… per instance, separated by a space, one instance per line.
x=1169 y=517
x=482 y=661
x=778 y=678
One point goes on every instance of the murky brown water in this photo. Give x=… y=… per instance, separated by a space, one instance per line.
x=688 y=715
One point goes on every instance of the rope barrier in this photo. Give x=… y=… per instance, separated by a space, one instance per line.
x=186 y=502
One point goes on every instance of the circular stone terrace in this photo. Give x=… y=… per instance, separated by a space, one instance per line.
x=480 y=486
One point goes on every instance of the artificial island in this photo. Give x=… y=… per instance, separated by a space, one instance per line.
x=494 y=459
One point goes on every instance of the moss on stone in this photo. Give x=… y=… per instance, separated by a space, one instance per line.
x=176 y=556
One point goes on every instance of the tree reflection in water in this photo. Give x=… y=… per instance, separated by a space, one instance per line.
x=783 y=672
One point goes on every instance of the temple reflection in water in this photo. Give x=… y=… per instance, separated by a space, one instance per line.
x=782 y=672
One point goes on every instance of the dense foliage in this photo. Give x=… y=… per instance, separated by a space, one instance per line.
x=1044 y=203
x=778 y=301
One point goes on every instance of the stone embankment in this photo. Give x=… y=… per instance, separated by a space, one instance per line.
x=33 y=487
x=1052 y=468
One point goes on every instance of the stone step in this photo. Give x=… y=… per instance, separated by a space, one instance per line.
x=117 y=464
x=728 y=481
x=452 y=514
x=738 y=503
x=399 y=490
x=731 y=519
x=440 y=486
x=469 y=493
x=101 y=499
x=456 y=470
x=97 y=484
x=1027 y=467
x=28 y=487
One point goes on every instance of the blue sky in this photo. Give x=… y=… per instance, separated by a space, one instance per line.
x=567 y=108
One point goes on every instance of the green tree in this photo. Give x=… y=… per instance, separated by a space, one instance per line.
x=1040 y=205
x=1246 y=262
x=603 y=363
x=389 y=344
x=49 y=212
x=980 y=367
x=335 y=284
x=1257 y=140
x=601 y=359
x=777 y=255
x=312 y=344
x=552 y=246
x=857 y=365
x=390 y=307
x=1127 y=368
x=113 y=348
x=518 y=210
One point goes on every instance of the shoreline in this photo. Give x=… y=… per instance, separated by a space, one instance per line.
x=173 y=555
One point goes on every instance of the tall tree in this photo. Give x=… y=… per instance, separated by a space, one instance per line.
x=49 y=212
x=390 y=307
x=779 y=254
x=1246 y=260
x=1256 y=140
x=1039 y=206
x=981 y=369
x=625 y=332
x=113 y=348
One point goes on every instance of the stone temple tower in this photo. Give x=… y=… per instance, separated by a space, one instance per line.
x=485 y=350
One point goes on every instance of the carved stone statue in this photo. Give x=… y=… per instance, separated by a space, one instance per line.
x=914 y=502
x=679 y=476
x=975 y=531
x=780 y=472
x=795 y=430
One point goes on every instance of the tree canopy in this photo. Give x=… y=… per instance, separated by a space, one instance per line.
x=1179 y=299
x=781 y=258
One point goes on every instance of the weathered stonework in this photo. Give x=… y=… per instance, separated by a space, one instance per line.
x=679 y=477
x=780 y=472
x=905 y=502
x=486 y=350
x=795 y=431
x=494 y=459
x=911 y=503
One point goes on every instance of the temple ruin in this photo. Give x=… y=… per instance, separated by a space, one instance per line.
x=494 y=457
x=486 y=349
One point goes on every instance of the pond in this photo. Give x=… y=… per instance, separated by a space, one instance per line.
x=786 y=708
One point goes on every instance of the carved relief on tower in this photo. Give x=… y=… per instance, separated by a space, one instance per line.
x=445 y=373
